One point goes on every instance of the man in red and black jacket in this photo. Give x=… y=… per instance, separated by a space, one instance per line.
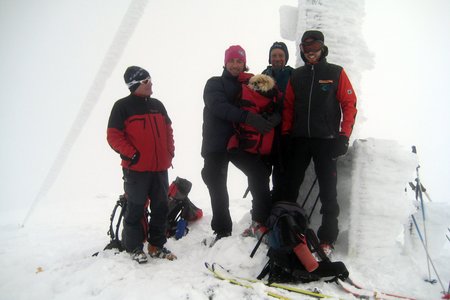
x=318 y=117
x=140 y=130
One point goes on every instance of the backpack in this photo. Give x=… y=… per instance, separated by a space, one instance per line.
x=291 y=246
x=181 y=211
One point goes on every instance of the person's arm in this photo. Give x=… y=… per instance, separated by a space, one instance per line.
x=115 y=134
x=216 y=101
x=347 y=100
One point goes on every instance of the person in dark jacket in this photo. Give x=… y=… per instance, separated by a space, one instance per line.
x=280 y=72
x=318 y=117
x=140 y=130
x=219 y=115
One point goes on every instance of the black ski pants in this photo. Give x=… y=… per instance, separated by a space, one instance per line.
x=320 y=151
x=138 y=187
x=278 y=163
x=214 y=174
x=258 y=177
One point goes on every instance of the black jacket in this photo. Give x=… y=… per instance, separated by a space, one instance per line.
x=319 y=102
x=220 y=112
x=281 y=76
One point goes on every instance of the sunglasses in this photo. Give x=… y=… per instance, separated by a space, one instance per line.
x=313 y=46
x=143 y=81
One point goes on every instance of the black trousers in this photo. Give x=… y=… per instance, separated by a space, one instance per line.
x=214 y=174
x=258 y=177
x=303 y=150
x=138 y=187
x=278 y=164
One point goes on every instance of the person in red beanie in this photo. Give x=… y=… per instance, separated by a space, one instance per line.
x=219 y=114
x=318 y=117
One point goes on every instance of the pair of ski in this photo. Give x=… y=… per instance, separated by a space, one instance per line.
x=220 y=272
x=348 y=286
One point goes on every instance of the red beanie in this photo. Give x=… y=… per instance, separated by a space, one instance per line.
x=235 y=51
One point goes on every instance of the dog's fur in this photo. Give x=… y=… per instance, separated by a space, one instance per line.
x=261 y=83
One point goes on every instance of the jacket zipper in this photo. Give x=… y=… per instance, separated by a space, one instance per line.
x=149 y=117
x=310 y=99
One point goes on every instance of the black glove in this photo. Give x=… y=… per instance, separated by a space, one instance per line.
x=340 y=146
x=133 y=160
x=275 y=119
x=261 y=125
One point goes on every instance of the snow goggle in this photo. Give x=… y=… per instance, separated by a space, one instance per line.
x=143 y=81
x=312 y=46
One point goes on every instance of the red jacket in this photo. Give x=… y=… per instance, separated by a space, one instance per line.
x=246 y=137
x=139 y=124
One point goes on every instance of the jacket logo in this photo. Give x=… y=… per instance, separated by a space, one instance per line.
x=326 y=81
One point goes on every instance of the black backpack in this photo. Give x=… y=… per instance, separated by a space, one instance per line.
x=181 y=211
x=291 y=247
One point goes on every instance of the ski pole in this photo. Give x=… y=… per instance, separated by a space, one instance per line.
x=246 y=192
x=314 y=206
x=309 y=192
x=419 y=194
x=428 y=255
x=424 y=190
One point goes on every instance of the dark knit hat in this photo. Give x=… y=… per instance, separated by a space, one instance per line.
x=282 y=46
x=133 y=75
x=313 y=35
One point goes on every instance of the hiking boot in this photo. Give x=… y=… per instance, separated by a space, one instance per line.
x=255 y=230
x=218 y=235
x=326 y=248
x=160 y=252
x=139 y=256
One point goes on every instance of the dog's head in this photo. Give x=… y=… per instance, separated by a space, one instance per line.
x=261 y=83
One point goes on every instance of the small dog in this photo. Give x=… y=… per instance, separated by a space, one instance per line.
x=261 y=83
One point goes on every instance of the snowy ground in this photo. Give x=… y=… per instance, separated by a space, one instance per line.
x=51 y=257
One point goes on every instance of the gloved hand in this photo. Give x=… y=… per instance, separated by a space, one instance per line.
x=261 y=125
x=135 y=158
x=275 y=119
x=340 y=146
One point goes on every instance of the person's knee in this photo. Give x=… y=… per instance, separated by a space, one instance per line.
x=134 y=213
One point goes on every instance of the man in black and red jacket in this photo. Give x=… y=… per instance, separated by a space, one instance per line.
x=140 y=130
x=318 y=117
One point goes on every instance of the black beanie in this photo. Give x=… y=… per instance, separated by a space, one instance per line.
x=135 y=73
x=315 y=35
x=282 y=46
